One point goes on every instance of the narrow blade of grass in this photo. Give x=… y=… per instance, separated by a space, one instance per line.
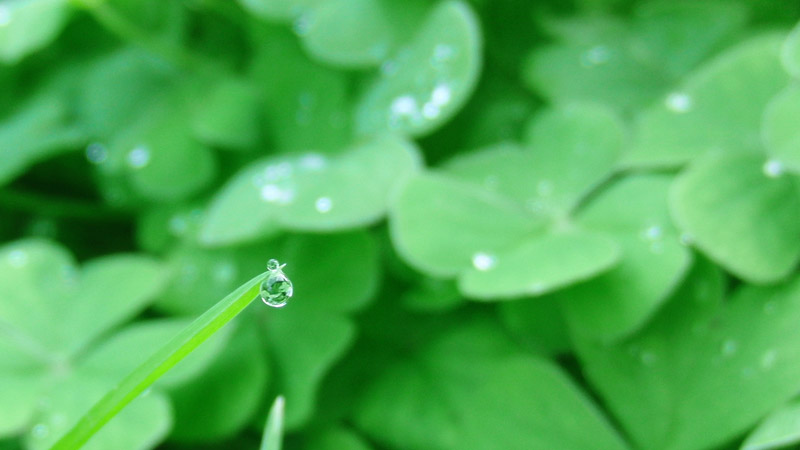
x=273 y=430
x=158 y=364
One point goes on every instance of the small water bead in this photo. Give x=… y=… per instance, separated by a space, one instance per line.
x=544 y=188
x=652 y=232
x=313 y=162
x=483 y=261
x=768 y=359
x=678 y=102
x=276 y=289
x=323 y=205
x=648 y=358
x=96 y=153
x=772 y=168
x=272 y=193
x=405 y=105
x=686 y=239
x=595 y=56
x=729 y=347
x=139 y=157
x=40 y=431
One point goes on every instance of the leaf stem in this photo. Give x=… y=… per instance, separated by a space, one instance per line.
x=158 y=364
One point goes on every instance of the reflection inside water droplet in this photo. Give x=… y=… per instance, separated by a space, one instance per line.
x=483 y=261
x=276 y=289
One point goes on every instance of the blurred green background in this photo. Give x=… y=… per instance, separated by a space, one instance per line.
x=510 y=224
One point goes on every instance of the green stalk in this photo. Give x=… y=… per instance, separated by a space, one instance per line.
x=158 y=364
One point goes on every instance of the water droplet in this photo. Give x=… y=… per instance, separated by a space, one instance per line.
x=272 y=193
x=678 y=102
x=40 y=431
x=430 y=111
x=768 y=359
x=275 y=172
x=537 y=287
x=405 y=105
x=276 y=289
x=648 y=358
x=770 y=307
x=388 y=68
x=544 y=188
x=441 y=94
x=729 y=347
x=686 y=239
x=652 y=233
x=595 y=56
x=139 y=157
x=302 y=25
x=96 y=153
x=5 y=15
x=442 y=53
x=483 y=261
x=17 y=258
x=224 y=272
x=313 y=162
x=772 y=168
x=323 y=204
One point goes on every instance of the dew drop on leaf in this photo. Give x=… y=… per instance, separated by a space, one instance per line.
x=276 y=289
x=772 y=168
x=483 y=261
x=678 y=102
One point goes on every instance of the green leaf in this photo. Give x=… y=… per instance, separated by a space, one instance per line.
x=569 y=150
x=539 y=265
x=63 y=310
x=633 y=212
x=741 y=215
x=471 y=389
x=283 y=10
x=428 y=81
x=357 y=33
x=214 y=407
x=336 y=439
x=778 y=430
x=19 y=395
x=681 y=34
x=29 y=25
x=121 y=353
x=705 y=370
x=202 y=276
x=338 y=272
x=439 y=224
x=780 y=131
x=306 y=341
x=718 y=106
x=307 y=105
x=228 y=115
x=433 y=295
x=310 y=192
x=273 y=429
x=790 y=53
x=159 y=363
x=38 y=129
x=574 y=148
x=538 y=324
x=573 y=71
x=142 y=425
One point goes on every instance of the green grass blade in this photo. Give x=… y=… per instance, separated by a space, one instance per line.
x=273 y=430
x=158 y=364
